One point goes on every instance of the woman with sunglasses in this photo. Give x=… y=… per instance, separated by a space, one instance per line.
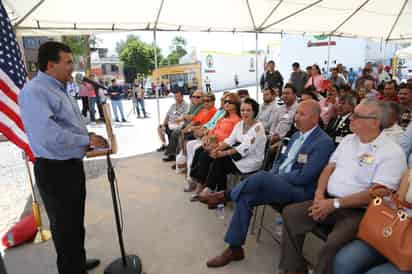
x=224 y=126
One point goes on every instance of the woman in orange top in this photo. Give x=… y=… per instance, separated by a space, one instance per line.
x=201 y=118
x=202 y=160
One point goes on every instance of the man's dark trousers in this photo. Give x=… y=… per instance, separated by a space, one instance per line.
x=62 y=187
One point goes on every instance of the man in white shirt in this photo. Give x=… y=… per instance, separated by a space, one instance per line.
x=392 y=129
x=362 y=160
x=283 y=115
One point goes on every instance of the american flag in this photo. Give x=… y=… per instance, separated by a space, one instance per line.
x=12 y=78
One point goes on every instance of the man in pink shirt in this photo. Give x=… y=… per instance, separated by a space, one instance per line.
x=83 y=93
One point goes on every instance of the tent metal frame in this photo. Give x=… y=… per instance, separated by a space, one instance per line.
x=256 y=30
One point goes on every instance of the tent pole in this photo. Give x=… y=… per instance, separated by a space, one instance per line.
x=328 y=67
x=156 y=67
x=256 y=68
x=28 y=13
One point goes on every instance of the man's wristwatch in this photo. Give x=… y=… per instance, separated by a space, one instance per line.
x=336 y=203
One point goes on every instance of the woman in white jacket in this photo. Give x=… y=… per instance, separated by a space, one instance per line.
x=242 y=152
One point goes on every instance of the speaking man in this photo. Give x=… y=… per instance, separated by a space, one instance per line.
x=59 y=141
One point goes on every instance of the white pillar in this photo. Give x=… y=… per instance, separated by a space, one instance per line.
x=328 y=67
x=256 y=68
x=156 y=67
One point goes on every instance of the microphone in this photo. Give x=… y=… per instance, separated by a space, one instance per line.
x=94 y=83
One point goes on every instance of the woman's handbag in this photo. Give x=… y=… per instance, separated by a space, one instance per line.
x=387 y=227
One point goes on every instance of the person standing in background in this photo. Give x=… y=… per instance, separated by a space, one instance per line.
x=83 y=93
x=208 y=85
x=115 y=93
x=271 y=78
x=298 y=78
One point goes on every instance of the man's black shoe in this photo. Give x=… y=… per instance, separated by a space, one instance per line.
x=169 y=158
x=162 y=148
x=92 y=263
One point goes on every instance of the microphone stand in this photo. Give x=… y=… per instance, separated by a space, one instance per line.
x=127 y=264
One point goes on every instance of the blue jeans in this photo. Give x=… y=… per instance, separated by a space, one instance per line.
x=359 y=258
x=260 y=188
x=140 y=101
x=92 y=102
x=117 y=106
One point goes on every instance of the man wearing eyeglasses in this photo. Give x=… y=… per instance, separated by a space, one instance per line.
x=362 y=160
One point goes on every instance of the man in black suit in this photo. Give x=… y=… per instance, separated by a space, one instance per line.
x=339 y=127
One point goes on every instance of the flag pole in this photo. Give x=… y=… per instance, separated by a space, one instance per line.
x=42 y=234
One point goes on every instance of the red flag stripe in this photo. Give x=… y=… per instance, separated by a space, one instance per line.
x=16 y=140
x=8 y=91
x=12 y=115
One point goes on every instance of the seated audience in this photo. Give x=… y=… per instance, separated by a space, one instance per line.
x=392 y=129
x=390 y=92
x=173 y=120
x=361 y=160
x=329 y=105
x=405 y=103
x=308 y=94
x=174 y=139
x=340 y=126
x=370 y=90
x=242 y=152
x=267 y=108
x=292 y=179
x=243 y=94
x=192 y=145
x=336 y=79
x=283 y=115
x=406 y=143
x=210 y=140
x=358 y=257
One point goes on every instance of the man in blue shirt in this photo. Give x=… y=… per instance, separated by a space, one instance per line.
x=115 y=93
x=59 y=141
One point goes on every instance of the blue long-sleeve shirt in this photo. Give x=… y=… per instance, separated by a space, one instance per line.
x=52 y=120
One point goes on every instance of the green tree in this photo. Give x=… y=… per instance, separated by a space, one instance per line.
x=177 y=50
x=80 y=45
x=137 y=55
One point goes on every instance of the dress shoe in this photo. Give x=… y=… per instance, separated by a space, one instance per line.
x=226 y=257
x=213 y=199
x=162 y=148
x=92 y=263
x=169 y=158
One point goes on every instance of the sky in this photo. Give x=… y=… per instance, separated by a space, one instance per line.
x=223 y=42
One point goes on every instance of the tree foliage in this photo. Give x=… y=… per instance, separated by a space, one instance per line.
x=137 y=55
x=80 y=44
x=177 y=50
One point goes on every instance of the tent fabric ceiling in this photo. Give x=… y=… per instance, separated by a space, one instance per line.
x=379 y=19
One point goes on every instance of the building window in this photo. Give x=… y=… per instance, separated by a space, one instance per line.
x=114 y=68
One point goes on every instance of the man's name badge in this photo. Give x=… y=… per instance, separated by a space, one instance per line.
x=367 y=159
x=286 y=116
x=302 y=158
x=338 y=139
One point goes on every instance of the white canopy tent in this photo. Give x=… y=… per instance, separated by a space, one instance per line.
x=377 y=19
x=380 y=19
x=405 y=53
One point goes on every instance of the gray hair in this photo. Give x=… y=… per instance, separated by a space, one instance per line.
x=392 y=109
x=381 y=111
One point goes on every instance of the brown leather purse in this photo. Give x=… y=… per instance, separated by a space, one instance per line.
x=387 y=227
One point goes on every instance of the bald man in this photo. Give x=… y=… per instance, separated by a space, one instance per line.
x=292 y=179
